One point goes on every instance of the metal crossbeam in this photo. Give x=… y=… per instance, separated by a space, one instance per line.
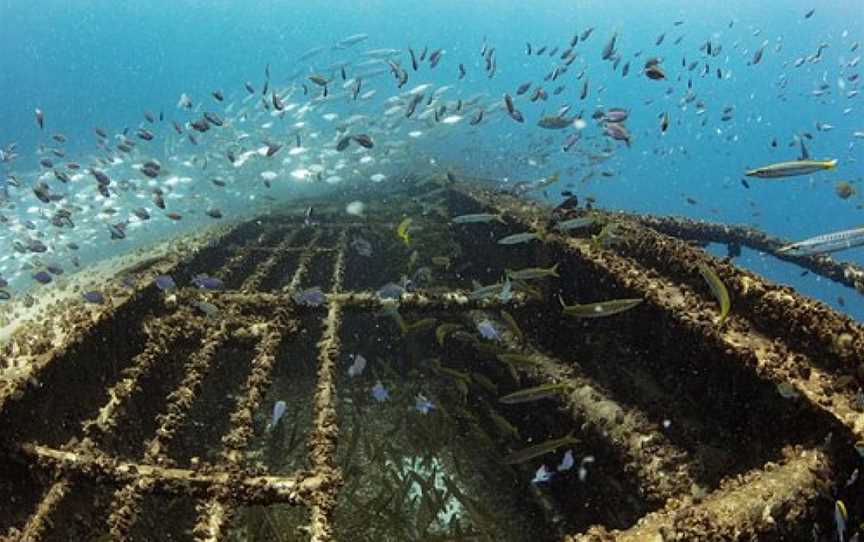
x=746 y=508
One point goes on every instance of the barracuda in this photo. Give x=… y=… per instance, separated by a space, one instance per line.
x=791 y=169
x=829 y=242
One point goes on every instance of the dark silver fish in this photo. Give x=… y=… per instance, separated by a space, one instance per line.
x=412 y=105
x=508 y=103
x=363 y=140
x=343 y=143
x=435 y=57
x=100 y=176
x=555 y=122
x=609 y=49
x=757 y=56
x=319 y=80
x=213 y=118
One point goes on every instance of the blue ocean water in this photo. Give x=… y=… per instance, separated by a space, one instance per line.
x=100 y=63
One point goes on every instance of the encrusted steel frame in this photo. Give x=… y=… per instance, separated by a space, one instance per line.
x=774 y=333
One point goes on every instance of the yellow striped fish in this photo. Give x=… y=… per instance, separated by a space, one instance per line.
x=791 y=169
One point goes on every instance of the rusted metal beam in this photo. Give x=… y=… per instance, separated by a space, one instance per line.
x=174 y=481
x=662 y=469
x=769 y=328
x=127 y=500
x=33 y=346
x=322 y=441
x=747 y=507
x=277 y=255
x=291 y=249
x=370 y=301
x=172 y=328
x=241 y=254
x=158 y=343
x=216 y=511
x=39 y=522
x=303 y=263
x=846 y=273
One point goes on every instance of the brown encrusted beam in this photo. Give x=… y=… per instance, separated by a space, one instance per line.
x=31 y=349
x=173 y=481
x=355 y=224
x=750 y=506
x=369 y=301
x=127 y=500
x=37 y=524
x=240 y=254
x=810 y=326
x=290 y=249
x=846 y=273
x=784 y=356
x=215 y=512
x=303 y=263
x=176 y=326
x=663 y=469
x=277 y=255
x=788 y=339
x=689 y=312
x=158 y=343
x=322 y=442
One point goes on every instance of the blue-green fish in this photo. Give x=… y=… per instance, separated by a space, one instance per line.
x=791 y=169
x=479 y=218
x=518 y=238
x=599 y=310
x=532 y=273
x=575 y=223
x=525 y=454
x=829 y=242
x=484 y=292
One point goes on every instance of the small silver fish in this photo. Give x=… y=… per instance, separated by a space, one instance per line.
x=278 y=412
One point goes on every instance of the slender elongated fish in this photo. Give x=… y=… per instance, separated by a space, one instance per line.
x=575 y=223
x=525 y=454
x=518 y=238
x=599 y=310
x=478 y=218
x=533 y=273
x=351 y=40
x=536 y=393
x=315 y=51
x=791 y=169
x=823 y=244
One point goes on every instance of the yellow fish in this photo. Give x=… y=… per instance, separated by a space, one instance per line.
x=402 y=231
